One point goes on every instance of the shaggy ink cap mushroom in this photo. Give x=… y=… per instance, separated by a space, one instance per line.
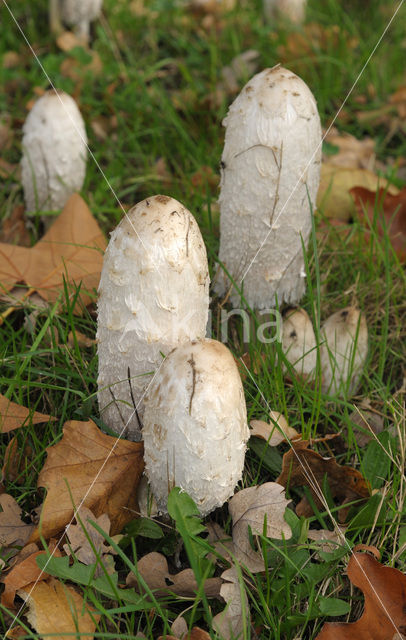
x=79 y=14
x=344 y=351
x=153 y=296
x=54 y=145
x=299 y=342
x=270 y=176
x=195 y=425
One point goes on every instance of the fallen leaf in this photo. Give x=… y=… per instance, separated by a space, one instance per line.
x=352 y=152
x=329 y=540
x=13 y=531
x=241 y=68
x=56 y=610
x=77 y=70
x=384 y=615
x=87 y=544
x=365 y=423
x=391 y=214
x=91 y=468
x=153 y=568
x=273 y=433
x=23 y=574
x=14 y=229
x=311 y=42
x=179 y=627
x=14 y=416
x=334 y=197
x=8 y=170
x=302 y=466
x=221 y=542
x=67 y=40
x=195 y=634
x=6 y=131
x=248 y=509
x=72 y=249
x=80 y=339
x=229 y=624
x=399 y=100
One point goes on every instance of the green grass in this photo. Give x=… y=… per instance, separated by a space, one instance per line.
x=156 y=91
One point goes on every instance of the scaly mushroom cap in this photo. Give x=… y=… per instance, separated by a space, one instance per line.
x=153 y=295
x=195 y=425
x=344 y=351
x=270 y=170
x=293 y=10
x=299 y=342
x=54 y=142
x=75 y=12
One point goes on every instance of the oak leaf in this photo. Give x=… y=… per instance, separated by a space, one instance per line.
x=72 y=249
x=384 y=615
x=391 y=214
x=229 y=623
x=302 y=466
x=334 y=197
x=56 y=610
x=248 y=509
x=153 y=568
x=274 y=433
x=13 y=531
x=13 y=415
x=87 y=544
x=25 y=572
x=87 y=467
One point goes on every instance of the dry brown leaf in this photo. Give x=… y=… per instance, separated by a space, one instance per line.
x=248 y=509
x=222 y=542
x=67 y=40
x=334 y=197
x=273 y=433
x=77 y=71
x=80 y=338
x=87 y=465
x=195 y=634
x=329 y=540
x=179 y=627
x=13 y=531
x=14 y=416
x=72 y=249
x=399 y=100
x=57 y=610
x=11 y=59
x=241 y=68
x=365 y=422
x=14 y=229
x=154 y=570
x=352 y=152
x=22 y=574
x=313 y=39
x=229 y=623
x=302 y=466
x=384 y=615
x=87 y=544
x=8 y=170
x=393 y=210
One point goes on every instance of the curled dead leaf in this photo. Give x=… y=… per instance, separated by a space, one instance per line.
x=153 y=569
x=248 y=509
x=384 y=614
x=91 y=468
x=14 y=416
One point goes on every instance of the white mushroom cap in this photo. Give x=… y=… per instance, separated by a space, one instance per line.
x=299 y=342
x=79 y=13
x=344 y=351
x=293 y=10
x=195 y=425
x=271 y=168
x=153 y=295
x=54 y=142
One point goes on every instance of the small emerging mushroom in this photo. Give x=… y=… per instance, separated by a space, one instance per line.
x=195 y=425
x=270 y=176
x=344 y=351
x=75 y=13
x=299 y=342
x=153 y=295
x=54 y=145
x=292 y=10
